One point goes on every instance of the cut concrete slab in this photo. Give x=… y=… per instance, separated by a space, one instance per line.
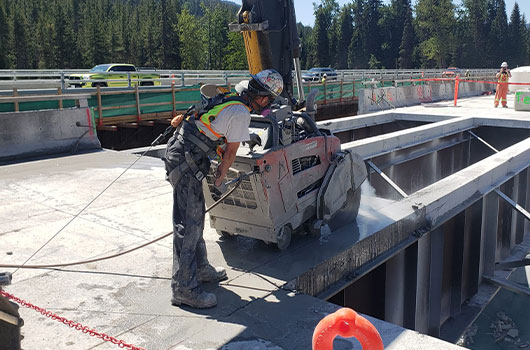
x=128 y=297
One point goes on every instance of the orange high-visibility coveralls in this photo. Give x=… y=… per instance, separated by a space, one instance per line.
x=502 y=89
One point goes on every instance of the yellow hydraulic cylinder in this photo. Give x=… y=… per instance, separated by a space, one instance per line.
x=258 y=48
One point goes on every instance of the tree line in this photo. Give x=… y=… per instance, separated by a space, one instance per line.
x=166 y=34
x=431 y=34
x=193 y=34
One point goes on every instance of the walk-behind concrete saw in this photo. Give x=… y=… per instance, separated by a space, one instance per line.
x=300 y=177
x=300 y=180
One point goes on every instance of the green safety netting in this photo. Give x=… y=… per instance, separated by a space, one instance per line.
x=33 y=106
x=184 y=98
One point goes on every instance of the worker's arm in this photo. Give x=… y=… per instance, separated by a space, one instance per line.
x=228 y=158
x=498 y=75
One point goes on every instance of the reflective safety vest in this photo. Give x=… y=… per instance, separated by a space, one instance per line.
x=211 y=110
x=209 y=113
x=503 y=78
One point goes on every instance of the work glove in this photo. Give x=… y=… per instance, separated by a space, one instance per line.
x=254 y=140
x=175 y=122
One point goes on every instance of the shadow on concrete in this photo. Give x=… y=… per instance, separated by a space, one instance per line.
x=281 y=320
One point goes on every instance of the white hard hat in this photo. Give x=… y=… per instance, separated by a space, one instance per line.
x=241 y=86
x=504 y=65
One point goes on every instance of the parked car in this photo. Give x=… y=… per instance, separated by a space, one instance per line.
x=114 y=75
x=315 y=74
x=451 y=72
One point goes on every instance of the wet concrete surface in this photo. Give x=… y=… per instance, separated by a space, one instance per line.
x=62 y=210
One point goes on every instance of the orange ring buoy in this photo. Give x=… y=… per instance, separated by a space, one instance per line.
x=346 y=323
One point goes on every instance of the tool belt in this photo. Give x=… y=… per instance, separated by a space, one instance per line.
x=196 y=148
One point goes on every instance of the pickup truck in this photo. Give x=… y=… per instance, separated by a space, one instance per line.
x=113 y=75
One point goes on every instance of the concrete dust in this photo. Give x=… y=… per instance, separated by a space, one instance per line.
x=370 y=218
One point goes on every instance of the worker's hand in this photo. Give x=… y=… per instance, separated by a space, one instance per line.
x=221 y=187
x=175 y=122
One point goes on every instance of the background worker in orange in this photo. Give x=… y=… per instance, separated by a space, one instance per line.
x=502 y=89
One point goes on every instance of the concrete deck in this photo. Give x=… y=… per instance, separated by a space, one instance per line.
x=128 y=297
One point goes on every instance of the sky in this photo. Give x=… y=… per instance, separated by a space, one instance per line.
x=304 y=8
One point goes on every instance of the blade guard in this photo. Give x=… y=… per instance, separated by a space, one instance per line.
x=346 y=173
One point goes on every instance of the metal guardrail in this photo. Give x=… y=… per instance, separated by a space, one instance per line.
x=50 y=78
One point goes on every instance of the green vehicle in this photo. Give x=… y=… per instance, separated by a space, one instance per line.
x=113 y=75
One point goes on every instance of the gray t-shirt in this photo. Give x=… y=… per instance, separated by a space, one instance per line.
x=232 y=123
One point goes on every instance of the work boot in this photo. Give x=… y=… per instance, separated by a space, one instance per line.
x=208 y=273
x=195 y=298
x=504 y=106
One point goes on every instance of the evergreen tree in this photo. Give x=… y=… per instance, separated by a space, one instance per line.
x=4 y=37
x=497 y=38
x=406 y=49
x=477 y=13
x=64 y=37
x=19 y=38
x=526 y=40
x=216 y=35
x=235 y=57
x=344 y=37
x=321 y=42
x=46 y=49
x=170 y=38
x=100 y=43
x=358 y=55
x=463 y=40
x=516 y=39
x=374 y=39
x=305 y=33
x=435 y=21
x=192 y=46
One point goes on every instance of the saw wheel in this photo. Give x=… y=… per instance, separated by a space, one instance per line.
x=283 y=237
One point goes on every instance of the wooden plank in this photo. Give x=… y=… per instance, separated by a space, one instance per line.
x=100 y=111
x=147 y=123
x=137 y=97
x=15 y=94
x=107 y=127
x=173 y=98
x=128 y=125
x=116 y=107
x=60 y=92
x=155 y=104
x=36 y=98
x=132 y=118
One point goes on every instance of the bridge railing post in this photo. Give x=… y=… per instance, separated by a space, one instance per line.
x=63 y=85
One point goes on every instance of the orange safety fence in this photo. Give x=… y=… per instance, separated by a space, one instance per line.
x=457 y=81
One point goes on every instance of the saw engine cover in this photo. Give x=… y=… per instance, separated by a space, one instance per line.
x=344 y=176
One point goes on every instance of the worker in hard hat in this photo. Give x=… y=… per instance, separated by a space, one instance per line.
x=502 y=87
x=197 y=140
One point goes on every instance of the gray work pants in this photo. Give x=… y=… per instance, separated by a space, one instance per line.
x=189 y=248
